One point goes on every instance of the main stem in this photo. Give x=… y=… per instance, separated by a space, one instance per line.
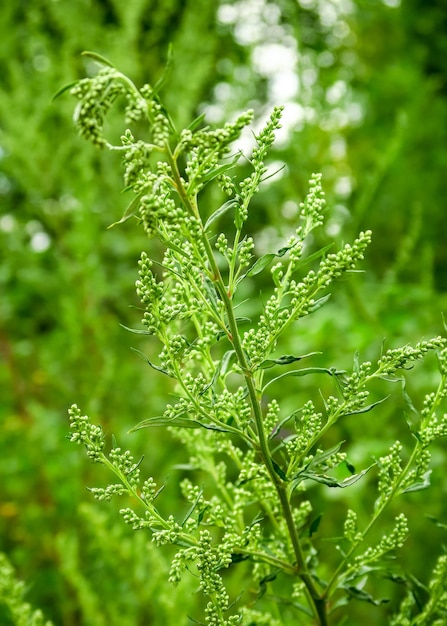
x=315 y=599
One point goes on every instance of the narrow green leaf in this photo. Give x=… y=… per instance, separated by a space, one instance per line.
x=367 y=408
x=286 y=359
x=219 y=212
x=363 y=596
x=280 y=424
x=136 y=331
x=63 y=89
x=436 y=521
x=192 y=508
x=303 y=372
x=315 y=525
x=412 y=415
x=225 y=362
x=316 y=255
x=261 y=263
x=155 y=367
x=220 y=169
x=211 y=293
x=130 y=211
x=321 y=457
x=329 y=481
x=166 y=70
x=197 y=122
x=421 y=485
x=278 y=470
x=98 y=58
x=356 y=366
x=283 y=251
x=319 y=303
x=177 y=422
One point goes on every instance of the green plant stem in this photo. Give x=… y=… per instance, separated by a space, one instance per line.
x=317 y=602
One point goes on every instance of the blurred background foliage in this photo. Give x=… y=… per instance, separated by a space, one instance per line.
x=365 y=84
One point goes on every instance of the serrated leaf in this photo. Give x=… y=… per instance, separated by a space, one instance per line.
x=98 y=58
x=218 y=212
x=286 y=359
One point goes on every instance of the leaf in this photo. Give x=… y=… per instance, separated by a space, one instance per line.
x=436 y=521
x=303 y=372
x=419 y=486
x=315 y=524
x=63 y=89
x=192 y=508
x=218 y=212
x=197 y=122
x=277 y=428
x=286 y=359
x=225 y=362
x=319 y=303
x=308 y=259
x=220 y=169
x=278 y=470
x=211 y=293
x=136 y=331
x=320 y=457
x=263 y=583
x=261 y=263
x=130 y=211
x=367 y=408
x=363 y=596
x=166 y=70
x=329 y=481
x=98 y=58
x=155 y=367
x=176 y=422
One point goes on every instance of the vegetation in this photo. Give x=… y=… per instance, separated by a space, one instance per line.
x=68 y=284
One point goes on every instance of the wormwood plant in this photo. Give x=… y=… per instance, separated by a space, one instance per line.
x=253 y=466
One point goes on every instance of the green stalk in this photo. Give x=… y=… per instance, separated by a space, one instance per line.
x=314 y=598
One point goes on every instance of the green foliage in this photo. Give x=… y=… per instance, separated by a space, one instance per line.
x=255 y=470
x=13 y=608
x=364 y=91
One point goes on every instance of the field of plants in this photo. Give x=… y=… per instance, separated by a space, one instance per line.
x=224 y=274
